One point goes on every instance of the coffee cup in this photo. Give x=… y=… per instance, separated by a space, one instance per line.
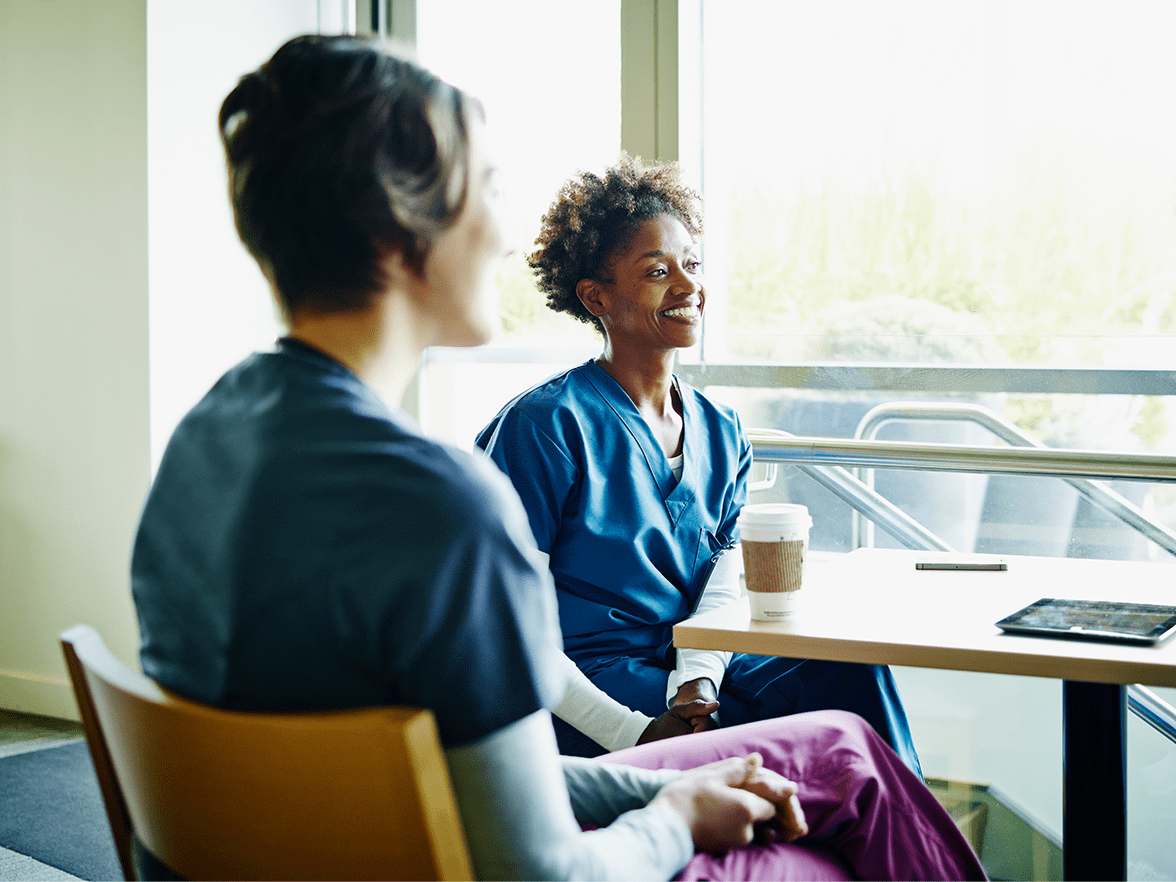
x=775 y=539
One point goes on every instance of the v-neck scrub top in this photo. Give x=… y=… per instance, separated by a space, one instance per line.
x=305 y=548
x=631 y=547
x=631 y=550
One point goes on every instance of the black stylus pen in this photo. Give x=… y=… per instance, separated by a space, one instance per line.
x=962 y=565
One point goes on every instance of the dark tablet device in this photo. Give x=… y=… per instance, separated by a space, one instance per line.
x=1143 y=624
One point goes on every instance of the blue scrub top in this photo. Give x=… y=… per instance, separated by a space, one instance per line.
x=631 y=548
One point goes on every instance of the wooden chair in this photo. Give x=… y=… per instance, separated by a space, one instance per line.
x=219 y=794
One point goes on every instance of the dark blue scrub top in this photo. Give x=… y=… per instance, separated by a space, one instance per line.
x=303 y=548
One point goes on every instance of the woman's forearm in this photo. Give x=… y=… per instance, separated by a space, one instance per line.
x=722 y=588
x=590 y=710
x=597 y=714
x=519 y=823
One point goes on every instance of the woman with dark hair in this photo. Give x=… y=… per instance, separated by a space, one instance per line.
x=304 y=547
x=633 y=481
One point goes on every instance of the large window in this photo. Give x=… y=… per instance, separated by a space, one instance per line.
x=975 y=182
x=887 y=182
x=925 y=181
x=978 y=182
x=549 y=75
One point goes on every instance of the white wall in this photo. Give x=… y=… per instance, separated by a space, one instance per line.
x=74 y=455
x=209 y=303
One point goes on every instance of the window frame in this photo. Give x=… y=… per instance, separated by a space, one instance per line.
x=661 y=116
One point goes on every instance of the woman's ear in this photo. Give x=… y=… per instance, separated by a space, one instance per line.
x=395 y=268
x=592 y=295
x=401 y=277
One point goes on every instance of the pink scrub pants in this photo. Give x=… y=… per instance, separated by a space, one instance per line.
x=869 y=816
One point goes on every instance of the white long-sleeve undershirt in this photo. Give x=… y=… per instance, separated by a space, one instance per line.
x=721 y=588
x=611 y=724
x=597 y=714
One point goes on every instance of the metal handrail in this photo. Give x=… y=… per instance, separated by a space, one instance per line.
x=907 y=377
x=1049 y=462
x=1100 y=494
x=1153 y=710
x=863 y=499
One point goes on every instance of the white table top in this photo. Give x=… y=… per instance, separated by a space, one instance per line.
x=872 y=606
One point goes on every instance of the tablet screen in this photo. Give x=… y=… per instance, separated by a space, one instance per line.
x=1093 y=620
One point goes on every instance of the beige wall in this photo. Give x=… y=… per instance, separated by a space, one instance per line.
x=74 y=443
x=124 y=292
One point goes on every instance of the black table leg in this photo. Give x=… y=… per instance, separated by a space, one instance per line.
x=1094 y=780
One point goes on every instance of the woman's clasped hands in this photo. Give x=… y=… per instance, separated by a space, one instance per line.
x=733 y=802
x=693 y=710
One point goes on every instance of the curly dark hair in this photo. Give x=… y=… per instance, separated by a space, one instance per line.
x=592 y=219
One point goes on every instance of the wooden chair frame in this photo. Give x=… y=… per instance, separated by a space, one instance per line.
x=218 y=794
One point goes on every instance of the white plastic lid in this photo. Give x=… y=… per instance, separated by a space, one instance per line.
x=775 y=515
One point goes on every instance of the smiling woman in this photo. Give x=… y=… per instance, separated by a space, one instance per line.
x=592 y=224
x=653 y=285
x=620 y=251
x=633 y=480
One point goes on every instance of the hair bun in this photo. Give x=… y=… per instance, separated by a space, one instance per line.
x=245 y=103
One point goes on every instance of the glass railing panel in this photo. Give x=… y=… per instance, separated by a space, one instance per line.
x=1151 y=798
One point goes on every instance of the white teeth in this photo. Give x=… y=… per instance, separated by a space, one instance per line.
x=681 y=312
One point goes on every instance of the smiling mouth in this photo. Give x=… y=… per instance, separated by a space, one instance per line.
x=682 y=312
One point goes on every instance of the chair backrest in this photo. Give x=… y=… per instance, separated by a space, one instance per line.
x=219 y=794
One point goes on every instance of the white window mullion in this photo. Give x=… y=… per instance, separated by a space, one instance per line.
x=402 y=21
x=662 y=113
x=649 y=78
x=336 y=16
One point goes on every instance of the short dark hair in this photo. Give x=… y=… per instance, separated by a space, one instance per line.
x=593 y=218
x=339 y=153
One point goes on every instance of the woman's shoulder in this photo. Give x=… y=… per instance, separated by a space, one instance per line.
x=442 y=475
x=552 y=405
x=558 y=390
x=313 y=421
x=714 y=411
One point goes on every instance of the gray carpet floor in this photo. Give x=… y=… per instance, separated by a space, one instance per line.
x=20 y=733
x=21 y=868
